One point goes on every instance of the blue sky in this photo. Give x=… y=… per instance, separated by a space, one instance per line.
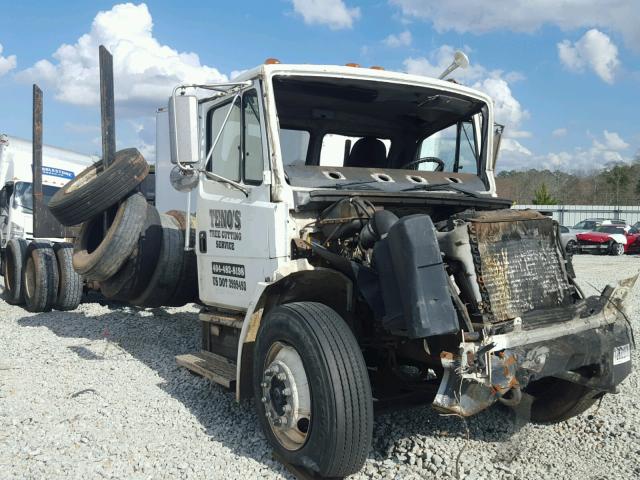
x=565 y=78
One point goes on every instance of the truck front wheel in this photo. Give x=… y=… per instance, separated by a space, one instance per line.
x=312 y=390
x=557 y=400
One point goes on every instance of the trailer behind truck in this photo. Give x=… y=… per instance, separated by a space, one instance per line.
x=16 y=182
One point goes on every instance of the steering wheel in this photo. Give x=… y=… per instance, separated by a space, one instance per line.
x=417 y=162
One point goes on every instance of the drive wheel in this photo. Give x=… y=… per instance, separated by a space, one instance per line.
x=557 y=400
x=571 y=247
x=616 y=249
x=15 y=255
x=40 y=278
x=312 y=390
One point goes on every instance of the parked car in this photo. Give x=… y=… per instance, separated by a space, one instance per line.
x=611 y=239
x=568 y=239
x=590 y=224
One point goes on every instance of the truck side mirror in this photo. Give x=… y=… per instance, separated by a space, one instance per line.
x=183 y=129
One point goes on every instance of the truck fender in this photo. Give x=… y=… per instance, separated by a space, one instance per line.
x=299 y=282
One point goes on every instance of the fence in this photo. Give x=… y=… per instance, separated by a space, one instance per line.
x=569 y=215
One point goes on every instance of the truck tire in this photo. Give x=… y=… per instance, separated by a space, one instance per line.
x=14 y=258
x=69 y=281
x=98 y=257
x=166 y=271
x=93 y=191
x=134 y=275
x=328 y=421
x=557 y=400
x=40 y=278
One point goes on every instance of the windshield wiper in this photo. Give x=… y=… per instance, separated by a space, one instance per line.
x=433 y=187
x=340 y=186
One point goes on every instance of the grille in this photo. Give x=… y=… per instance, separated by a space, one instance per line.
x=518 y=264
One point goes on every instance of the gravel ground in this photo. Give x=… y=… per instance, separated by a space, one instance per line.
x=96 y=393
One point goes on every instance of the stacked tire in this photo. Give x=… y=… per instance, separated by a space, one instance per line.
x=134 y=252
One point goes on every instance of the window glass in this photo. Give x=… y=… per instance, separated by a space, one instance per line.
x=336 y=147
x=225 y=159
x=442 y=145
x=253 y=159
x=294 y=145
x=23 y=195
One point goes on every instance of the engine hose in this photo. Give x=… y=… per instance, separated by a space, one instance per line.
x=516 y=396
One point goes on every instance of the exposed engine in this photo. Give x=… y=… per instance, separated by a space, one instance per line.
x=474 y=268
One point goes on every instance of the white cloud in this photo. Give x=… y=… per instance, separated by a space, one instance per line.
x=478 y=16
x=609 y=149
x=333 y=13
x=594 y=50
x=559 y=132
x=508 y=110
x=145 y=70
x=402 y=39
x=7 y=63
x=612 y=141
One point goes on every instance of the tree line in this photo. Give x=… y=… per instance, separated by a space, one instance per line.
x=617 y=184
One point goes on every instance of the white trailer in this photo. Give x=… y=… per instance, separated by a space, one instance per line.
x=16 y=177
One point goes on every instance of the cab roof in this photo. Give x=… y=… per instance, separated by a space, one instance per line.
x=359 y=73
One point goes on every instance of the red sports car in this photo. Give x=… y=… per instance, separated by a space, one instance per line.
x=611 y=239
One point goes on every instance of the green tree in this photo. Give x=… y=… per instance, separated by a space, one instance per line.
x=618 y=177
x=543 y=197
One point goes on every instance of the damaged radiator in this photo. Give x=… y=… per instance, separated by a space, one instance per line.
x=518 y=264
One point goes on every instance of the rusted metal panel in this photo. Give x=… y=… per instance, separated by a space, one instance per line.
x=518 y=263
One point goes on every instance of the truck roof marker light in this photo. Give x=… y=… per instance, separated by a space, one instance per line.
x=355 y=65
x=271 y=61
x=376 y=67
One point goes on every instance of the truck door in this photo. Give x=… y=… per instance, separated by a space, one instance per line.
x=236 y=229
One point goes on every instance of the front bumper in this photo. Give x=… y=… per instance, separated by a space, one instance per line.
x=593 y=348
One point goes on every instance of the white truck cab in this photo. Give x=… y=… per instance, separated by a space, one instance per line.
x=351 y=248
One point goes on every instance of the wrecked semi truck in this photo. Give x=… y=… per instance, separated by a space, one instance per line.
x=335 y=279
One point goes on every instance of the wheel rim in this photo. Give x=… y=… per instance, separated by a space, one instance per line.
x=29 y=278
x=286 y=396
x=619 y=248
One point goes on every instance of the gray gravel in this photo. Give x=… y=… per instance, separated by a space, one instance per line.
x=96 y=393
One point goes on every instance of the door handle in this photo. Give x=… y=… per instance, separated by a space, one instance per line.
x=202 y=242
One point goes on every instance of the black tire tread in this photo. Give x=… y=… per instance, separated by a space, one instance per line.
x=70 y=282
x=46 y=277
x=17 y=248
x=104 y=190
x=563 y=401
x=116 y=246
x=166 y=272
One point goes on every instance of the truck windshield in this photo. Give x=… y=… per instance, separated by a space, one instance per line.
x=23 y=195
x=342 y=122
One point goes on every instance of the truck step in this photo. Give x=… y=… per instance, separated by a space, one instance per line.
x=226 y=319
x=214 y=367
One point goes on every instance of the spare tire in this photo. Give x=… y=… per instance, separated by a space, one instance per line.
x=98 y=256
x=40 y=278
x=93 y=190
x=69 y=281
x=15 y=256
x=166 y=273
x=134 y=275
